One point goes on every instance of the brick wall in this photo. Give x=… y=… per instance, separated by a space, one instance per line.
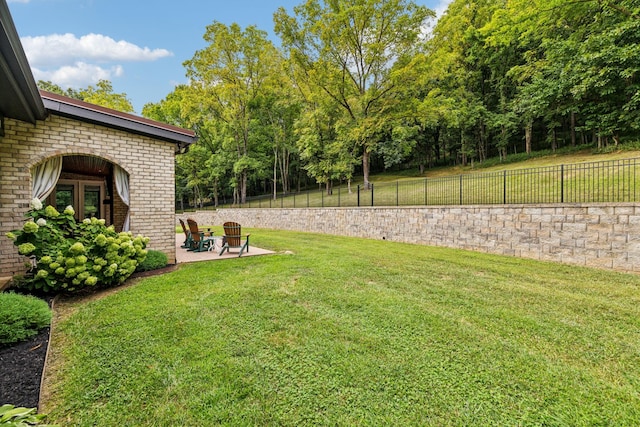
x=149 y=162
x=594 y=235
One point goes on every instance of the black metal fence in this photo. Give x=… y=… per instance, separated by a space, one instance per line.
x=607 y=181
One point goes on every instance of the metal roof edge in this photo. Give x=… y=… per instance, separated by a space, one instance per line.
x=84 y=111
x=15 y=67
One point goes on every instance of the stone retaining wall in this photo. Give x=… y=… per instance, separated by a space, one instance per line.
x=594 y=235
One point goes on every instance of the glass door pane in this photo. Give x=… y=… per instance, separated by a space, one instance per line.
x=91 y=206
x=64 y=196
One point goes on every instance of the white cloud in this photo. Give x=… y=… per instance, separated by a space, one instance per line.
x=69 y=61
x=77 y=75
x=60 y=49
x=441 y=7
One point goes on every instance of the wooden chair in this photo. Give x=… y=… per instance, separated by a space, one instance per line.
x=199 y=240
x=233 y=238
x=187 y=236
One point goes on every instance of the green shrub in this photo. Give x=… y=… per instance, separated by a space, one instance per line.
x=153 y=261
x=11 y=416
x=21 y=317
x=66 y=255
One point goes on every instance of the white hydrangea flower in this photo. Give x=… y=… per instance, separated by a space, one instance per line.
x=69 y=210
x=86 y=221
x=41 y=222
x=36 y=204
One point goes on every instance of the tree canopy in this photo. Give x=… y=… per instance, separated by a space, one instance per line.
x=100 y=94
x=355 y=86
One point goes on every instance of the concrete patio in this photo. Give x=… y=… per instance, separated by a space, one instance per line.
x=182 y=255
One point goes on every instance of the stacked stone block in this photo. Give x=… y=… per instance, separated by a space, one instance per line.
x=593 y=235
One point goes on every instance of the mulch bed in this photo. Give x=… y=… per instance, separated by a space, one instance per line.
x=21 y=368
x=22 y=364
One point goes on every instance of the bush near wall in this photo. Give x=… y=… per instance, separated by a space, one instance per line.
x=21 y=317
x=67 y=255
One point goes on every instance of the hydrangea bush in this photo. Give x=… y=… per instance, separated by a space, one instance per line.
x=67 y=255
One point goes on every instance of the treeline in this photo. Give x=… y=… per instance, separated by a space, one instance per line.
x=359 y=86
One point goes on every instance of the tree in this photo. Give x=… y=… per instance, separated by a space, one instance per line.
x=102 y=94
x=230 y=77
x=347 y=50
x=580 y=64
x=277 y=111
x=54 y=88
x=469 y=77
x=325 y=154
x=178 y=109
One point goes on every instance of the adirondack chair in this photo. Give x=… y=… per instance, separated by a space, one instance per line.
x=187 y=236
x=199 y=240
x=233 y=238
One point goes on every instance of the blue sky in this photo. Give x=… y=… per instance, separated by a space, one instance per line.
x=139 y=46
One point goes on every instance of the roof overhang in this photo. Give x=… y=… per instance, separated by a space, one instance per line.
x=91 y=113
x=20 y=99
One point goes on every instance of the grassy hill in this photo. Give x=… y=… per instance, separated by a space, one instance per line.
x=587 y=176
x=517 y=161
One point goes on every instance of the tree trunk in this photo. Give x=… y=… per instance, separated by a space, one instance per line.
x=463 y=144
x=482 y=147
x=284 y=170
x=365 y=168
x=503 y=145
x=243 y=187
x=275 y=174
x=599 y=140
x=528 y=131
x=436 y=146
x=329 y=187
x=573 y=129
x=197 y=198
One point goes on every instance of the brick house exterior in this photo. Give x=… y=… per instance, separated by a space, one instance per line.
x=36 y=126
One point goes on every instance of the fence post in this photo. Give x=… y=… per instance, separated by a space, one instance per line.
x=504 y=187
x=561 y=183
x=338 y=196
x=358 y=195
x=322 y=197
x=397 y=194
x=461 y=189
x=425 y=191
x=371 y=184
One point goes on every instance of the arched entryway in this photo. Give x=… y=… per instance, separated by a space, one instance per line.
x=94 y=186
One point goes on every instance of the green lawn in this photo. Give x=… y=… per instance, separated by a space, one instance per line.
x=344 y=331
